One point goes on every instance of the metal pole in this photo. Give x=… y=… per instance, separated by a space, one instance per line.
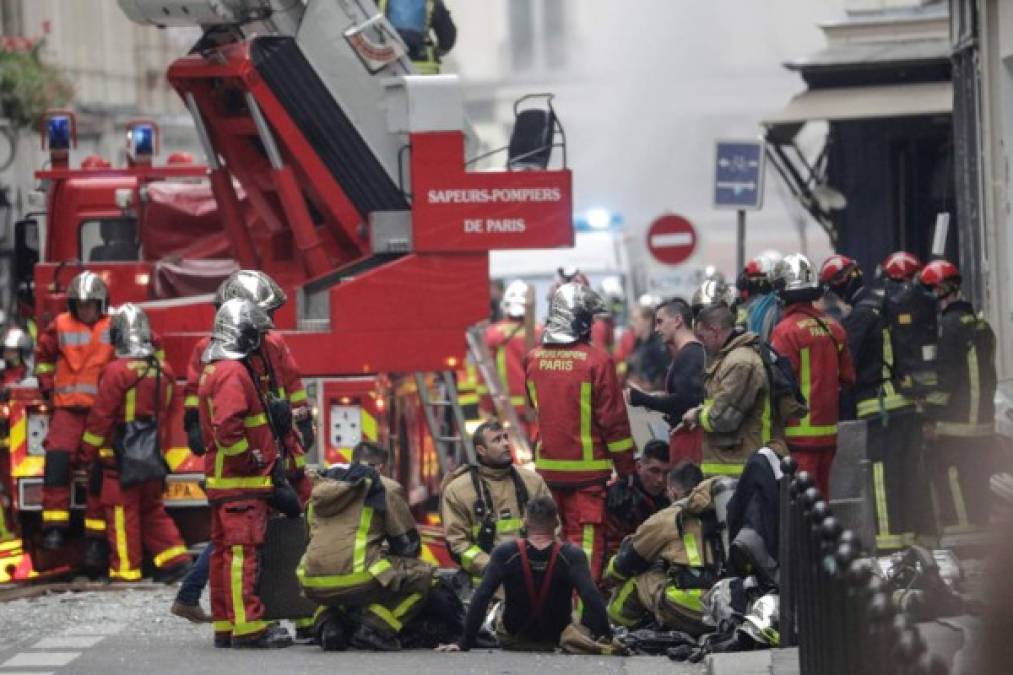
x=740 y=242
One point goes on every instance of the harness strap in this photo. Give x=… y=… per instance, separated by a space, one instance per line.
x=537 y=598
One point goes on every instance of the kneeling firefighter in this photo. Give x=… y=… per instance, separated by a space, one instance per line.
x=353 y=512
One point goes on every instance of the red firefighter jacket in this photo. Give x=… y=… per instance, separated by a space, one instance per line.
x=506 y=342
x=581 y=415
x=235 y=430
x=13 y=374
x=603 y=333
x=126 y=393
x=70 y=356
x=817 y=347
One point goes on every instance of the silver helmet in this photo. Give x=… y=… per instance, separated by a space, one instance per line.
x=239 y=325
x=515 y=299
x=571 y=313
x=88 y=286
x=18 y=339
x=252 y=285
x=712 y=292
x=762 y=621
x=131 y=332
x=796 y=280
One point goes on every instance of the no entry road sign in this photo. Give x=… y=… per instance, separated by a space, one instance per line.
x=671 y=239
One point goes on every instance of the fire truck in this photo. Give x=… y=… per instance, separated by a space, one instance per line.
x=334 y=168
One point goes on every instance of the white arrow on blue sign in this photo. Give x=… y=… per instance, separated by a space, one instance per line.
x=738 y=175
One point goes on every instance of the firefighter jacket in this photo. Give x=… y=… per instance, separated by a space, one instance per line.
x=126 y=393
x=70 y=357
x=350 y=519
x=464 y=511
x=507 y=345
x=241 y=449
x=964 y=404
x=876 y=391
x=736 y=413
x=583 y=426
x=13 y=375
x=817 y=347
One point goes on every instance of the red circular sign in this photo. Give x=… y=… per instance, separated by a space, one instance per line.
x=671 y=239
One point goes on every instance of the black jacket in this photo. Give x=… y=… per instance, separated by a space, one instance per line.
x=967 y=377
x=683 y=384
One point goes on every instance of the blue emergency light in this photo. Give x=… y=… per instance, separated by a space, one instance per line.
x=142 y=140
x=58 y=132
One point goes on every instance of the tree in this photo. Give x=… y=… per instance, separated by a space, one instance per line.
x=28 y=87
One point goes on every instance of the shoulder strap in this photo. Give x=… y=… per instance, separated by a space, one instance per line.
x=483 y=500
x=520 y=489
x=539 y=597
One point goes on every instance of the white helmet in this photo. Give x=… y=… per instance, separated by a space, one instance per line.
x=130 y=332
x=19 y=339
x=515 y=299
x=761 y=621
x=239 y=325
x=87 y=286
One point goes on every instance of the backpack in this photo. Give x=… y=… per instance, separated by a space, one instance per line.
x=786 y=398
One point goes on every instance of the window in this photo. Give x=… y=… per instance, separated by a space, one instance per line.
x=109 y=240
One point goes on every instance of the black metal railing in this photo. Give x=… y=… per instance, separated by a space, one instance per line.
x=833 y=607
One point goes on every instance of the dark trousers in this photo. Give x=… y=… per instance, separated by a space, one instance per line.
x=193 y=584
x=897 y=479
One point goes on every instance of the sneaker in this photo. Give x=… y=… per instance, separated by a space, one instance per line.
x=223 y=640
x=53 y=539
x=192 y=613
x=367 y=638
x=274 y=637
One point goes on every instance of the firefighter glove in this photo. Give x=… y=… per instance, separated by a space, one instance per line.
x=191 y=422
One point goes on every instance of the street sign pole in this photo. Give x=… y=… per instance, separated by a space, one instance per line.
x=740 y=242
x=738 y=184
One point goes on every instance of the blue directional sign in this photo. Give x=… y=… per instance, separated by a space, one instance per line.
x=738 y=175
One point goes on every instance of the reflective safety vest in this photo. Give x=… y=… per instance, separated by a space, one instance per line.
x=84 y=352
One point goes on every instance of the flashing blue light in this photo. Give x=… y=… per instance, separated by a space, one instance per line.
x=58 y=131
x=597 y=220
x=142 y=140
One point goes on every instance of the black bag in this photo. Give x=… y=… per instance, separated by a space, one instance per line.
x=787 y=401
x=137 y=445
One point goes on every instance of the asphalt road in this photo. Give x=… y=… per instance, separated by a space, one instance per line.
x=131 y=631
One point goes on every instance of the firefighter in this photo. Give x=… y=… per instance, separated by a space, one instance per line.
x=69 y=357
x=417 y=22
x=134 y=387
x=17 y=356
x=603 y=326
x=507 y=344
x=962 y=452
x=760 y=310
x=817 y=347
x=583 y=427
x=711 y=292
x=482 y=506
x=629 y=504
x=664 y=567
x=239 y=463
x=894 y=429
x=362 y=557
x=911 y=313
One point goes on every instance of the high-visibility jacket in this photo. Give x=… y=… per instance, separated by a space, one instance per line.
x=507 y=345
x=70 y=357
x=583 y=426
x=964 y=404
x=126 y=393
x=876 y=386
x=461 y=522
x=234 y=424
x=817 y=347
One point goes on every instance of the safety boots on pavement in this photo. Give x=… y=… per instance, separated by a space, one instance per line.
x=274 y=637
x=96 y=557
x=367 y=638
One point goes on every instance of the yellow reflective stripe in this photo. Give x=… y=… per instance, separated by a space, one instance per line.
x=237 y=448
x=879 y=489
x=106 y=453
x=95 y=524
x=965 y=430
x=765 y=421
x=467 y=399
x=973 y=383
x=45 y=368
x=129 y=575
x=379 y=567
x=92 y=439
x=469 y=555
x=122 y=552
x=222 y=626
x=504 y=525
x=873 y=406
x=236 y=578
x=957 y=493
x=362 y=537
x=254 y=421
x=406 y=605
x=705 y=412
x=887 y=354
x=335 y=580
x=385 y=615
x=621 y=445
x=587 y=543
x=368 y=423
x=689 y=598
x=572 y=464
x=692 y=550
x=55 y=516
x=299 y=461
x=501 y=367
x=804 y=426
x=305 y=622
x=532 y=393
x=191 y=401
x=518 y=401
x=586 y=442
x=130 y=406
x=611 y=571
x=721 y=469
x=298 y=396
x=250 y=482
x=168 y=554
x=615 y=608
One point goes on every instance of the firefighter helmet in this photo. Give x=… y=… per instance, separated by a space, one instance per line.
x=761 y=621
x=515 y=299
x=252 y=285
x=18 y=338
x=130 y=332
x=901 y=266
x=712 y=292
x=941 y=275
x=795 y=279
x=571 y=313
x=239 y=324
x=842 y=275
x=87 y=286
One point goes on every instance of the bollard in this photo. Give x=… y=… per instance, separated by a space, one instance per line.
x=785 y=559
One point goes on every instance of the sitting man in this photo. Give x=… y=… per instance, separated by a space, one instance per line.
x=667 y=564
x=353 y=511
x=630 y=502
x=539 y=575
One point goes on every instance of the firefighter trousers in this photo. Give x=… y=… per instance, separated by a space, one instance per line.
x=654 y=596
x=138 y=523
x=582 y=515
x=238 y=528
x=959 y=470
x=817 y=462
x=63 y=456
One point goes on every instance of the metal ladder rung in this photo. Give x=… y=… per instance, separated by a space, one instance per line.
x=449 y=439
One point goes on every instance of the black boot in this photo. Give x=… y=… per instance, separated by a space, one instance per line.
x=274 y=637
x=96 y=557
x=332 y=635
x=52 y=539
x=367 y=638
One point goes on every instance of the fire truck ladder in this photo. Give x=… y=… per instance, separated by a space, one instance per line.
x=498 y=392
x=448 y=432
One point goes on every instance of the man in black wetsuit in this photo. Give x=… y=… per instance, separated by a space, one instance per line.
x=539 y=575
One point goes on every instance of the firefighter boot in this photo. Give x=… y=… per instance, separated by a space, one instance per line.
x=96 y=558
x=53 y=539
x=367 y=638
x=332 y=635
x=273 y=637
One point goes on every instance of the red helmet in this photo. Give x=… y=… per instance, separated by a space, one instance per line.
x=937 y=272
x=94 y=162
x=836 y=269
x=181 y=157
x=901 y=266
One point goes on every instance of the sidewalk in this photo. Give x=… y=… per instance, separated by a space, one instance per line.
x=763 y=662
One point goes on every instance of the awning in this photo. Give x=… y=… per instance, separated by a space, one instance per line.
x=857 y=103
